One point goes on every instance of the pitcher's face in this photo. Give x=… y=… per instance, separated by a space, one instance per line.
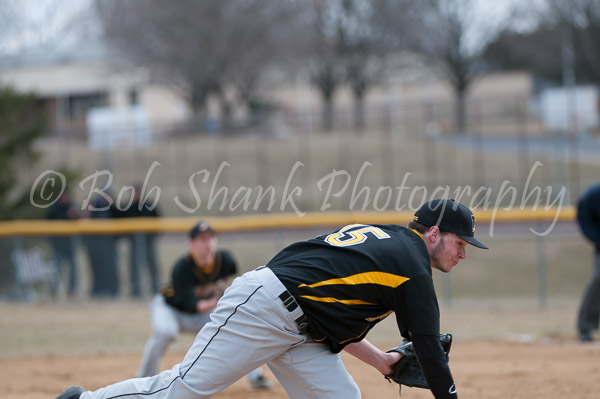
x=447 y=252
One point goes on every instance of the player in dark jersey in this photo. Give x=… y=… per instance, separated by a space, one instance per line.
x=588 y=218
x=318 y=297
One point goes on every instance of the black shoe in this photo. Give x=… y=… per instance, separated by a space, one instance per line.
x=71 y=393
x=586 y=336
x=261 y=383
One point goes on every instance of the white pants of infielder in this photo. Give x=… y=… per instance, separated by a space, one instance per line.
x=249 y=327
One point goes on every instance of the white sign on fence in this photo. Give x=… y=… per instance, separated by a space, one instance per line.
x=118 y=127
x=564 y=109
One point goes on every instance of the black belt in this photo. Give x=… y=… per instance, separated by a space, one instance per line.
x=289 y=302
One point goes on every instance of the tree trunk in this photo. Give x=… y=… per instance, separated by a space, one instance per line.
x=460 y=112
x=198 y=103
x=327 y=83
x=359 y=112
x=226 y=116
x=327 y=117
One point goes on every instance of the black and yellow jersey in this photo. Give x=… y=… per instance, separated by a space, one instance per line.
x=188 y=280
x=349 y=280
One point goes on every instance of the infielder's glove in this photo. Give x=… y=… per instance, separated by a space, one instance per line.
x=408 y=370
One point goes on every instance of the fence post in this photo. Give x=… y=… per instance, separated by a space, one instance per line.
x=74 y=279
x=17 y=246
x=541 y=272
x=138 y=264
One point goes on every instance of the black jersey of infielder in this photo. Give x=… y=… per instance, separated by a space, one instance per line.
x=349 y=280
x=189 y=280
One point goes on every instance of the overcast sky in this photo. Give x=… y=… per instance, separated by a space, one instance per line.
x=39 y=23
x=59 y=23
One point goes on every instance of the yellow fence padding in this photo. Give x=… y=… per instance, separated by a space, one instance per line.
x=226 y=224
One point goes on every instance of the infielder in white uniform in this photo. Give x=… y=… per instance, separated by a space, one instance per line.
x=198 y=281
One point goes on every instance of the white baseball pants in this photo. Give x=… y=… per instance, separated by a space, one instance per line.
x=249 y=327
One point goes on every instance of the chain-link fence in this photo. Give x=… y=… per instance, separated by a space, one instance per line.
x=504 y=161
x=405 y=154
x=520 y=265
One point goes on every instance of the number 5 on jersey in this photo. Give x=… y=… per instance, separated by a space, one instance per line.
x=354 y=234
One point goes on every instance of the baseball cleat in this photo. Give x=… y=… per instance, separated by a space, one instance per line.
x=71 y=393
x=586 y=336
x=261 y=383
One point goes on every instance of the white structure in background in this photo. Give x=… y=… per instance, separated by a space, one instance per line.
x=118 y=127
x=570 y=109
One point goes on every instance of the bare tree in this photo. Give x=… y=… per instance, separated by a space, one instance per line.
x=209 y=47
x=362 y=54
x=452 y=35
x=579 y=22
x=43 y=24
x=253 y=47
x=348 y=42
x=8 y=24
x=318 y=48
x=535 y=51
x=559 y=40
x=375 y=32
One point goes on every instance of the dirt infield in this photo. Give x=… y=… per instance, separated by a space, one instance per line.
x=509 y=351
x=482 y=370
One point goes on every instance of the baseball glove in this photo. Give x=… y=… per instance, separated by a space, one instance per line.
x=408 y=370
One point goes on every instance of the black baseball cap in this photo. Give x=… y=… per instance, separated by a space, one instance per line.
x=449 y=216
x=200 y=228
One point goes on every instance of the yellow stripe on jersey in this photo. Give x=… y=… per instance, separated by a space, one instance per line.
x=379 y=278
x=360 y=336
x=344 y=301
x=380 y=317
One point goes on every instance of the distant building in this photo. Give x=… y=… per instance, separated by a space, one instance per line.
x=70 y=83
x=87 y=91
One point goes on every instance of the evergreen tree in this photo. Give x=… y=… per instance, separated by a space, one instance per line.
x=21 y=123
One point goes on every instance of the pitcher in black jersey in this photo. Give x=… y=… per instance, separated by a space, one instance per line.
x=317 y=298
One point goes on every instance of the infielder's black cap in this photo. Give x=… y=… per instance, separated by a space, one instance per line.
x=449 y=216
x=200 y=228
